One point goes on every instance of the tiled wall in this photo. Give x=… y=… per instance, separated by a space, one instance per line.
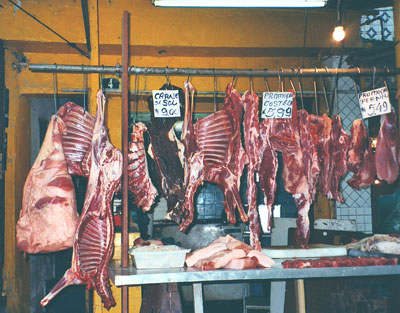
x=357 y=204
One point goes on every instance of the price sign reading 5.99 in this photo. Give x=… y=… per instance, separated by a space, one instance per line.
x=375 y=102
x=277 y=105
x=166 y=103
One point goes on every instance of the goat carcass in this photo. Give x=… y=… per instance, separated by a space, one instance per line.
x=214 y=153
x=167 y=152
x=94 y=237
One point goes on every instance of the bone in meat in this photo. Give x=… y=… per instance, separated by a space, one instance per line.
x=293 y=173
x=94 y=237
x=77 y=138
x=268 y=168
x=218 y=140
x=48 y=217
x=166 y=150
x=139 y=182
x=251 y=142
x=312 y=165
x=334 y=165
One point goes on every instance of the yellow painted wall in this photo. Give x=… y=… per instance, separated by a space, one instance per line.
x=219 y=38
x=16 y=268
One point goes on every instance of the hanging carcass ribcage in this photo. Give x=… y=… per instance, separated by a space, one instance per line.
x=77 y=138
x=139 y=182
x=94 y=237
x=214 y=153
x=214 y=134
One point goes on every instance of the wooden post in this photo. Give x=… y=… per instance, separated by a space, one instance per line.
x=125 y=103
x=300 y=296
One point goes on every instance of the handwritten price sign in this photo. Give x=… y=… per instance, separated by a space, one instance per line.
x=375 y=102
x=166 y=103
x=277 y=105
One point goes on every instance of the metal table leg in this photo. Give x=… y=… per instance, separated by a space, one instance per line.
x=198 y=297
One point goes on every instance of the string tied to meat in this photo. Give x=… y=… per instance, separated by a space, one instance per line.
x=215 y=95
x=251 y=80
x=328 y=109
x=266 y=82
x=55 y=89
x=301 y=90
x=316 y=92
x=356 y=91
x=166 y=76
x=84 y=89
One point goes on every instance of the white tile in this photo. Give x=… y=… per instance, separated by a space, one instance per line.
x=360 y=227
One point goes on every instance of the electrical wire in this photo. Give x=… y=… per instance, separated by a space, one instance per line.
x=71 y=44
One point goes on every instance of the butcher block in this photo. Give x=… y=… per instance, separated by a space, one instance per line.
x=314 y=251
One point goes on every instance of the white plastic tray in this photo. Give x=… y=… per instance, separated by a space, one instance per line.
x=167 y=256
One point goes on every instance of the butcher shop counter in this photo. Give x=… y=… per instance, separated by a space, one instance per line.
x=131 y=276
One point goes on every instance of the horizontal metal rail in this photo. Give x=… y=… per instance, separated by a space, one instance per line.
x=281 y=73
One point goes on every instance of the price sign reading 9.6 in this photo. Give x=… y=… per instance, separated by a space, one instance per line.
x=375 y=102
x=277 y=105
x=166 y=103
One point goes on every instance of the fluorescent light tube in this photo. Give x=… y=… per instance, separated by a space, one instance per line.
x=241 y=3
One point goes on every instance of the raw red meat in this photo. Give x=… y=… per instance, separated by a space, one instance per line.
x=139 y=182
x=167 y=152
x=94 y=237
x=268 y=168
x=77 y=138
x=312 y=166
x=334 y=156
x=251 y=134
x=214 y=153
x=360 y=158
x=339 y=262
x=286 y=138
x=387 y=153
x=48 y=217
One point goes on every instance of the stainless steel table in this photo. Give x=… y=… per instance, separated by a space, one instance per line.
x=130 y=276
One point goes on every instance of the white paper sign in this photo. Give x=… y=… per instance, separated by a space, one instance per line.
x=277 y=105
x=166 y=103
x=375 y=102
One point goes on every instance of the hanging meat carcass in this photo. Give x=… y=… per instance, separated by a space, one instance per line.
x=360 y=159
x=48 y=217
x=252 y=143
x=77 y=137
x=285 y=137
x=94 y=236
x=268 y=169
x=139 y=182
x=387 y=153
x=214 y=153
x=309 y=143
x=167 y=152
x=334 y=160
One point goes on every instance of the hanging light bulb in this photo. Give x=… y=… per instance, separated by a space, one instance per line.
x=338 y=33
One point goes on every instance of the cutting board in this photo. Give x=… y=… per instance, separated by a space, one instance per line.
x=314 y=251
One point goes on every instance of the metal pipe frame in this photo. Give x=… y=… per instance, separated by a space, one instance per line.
x=281 y=73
